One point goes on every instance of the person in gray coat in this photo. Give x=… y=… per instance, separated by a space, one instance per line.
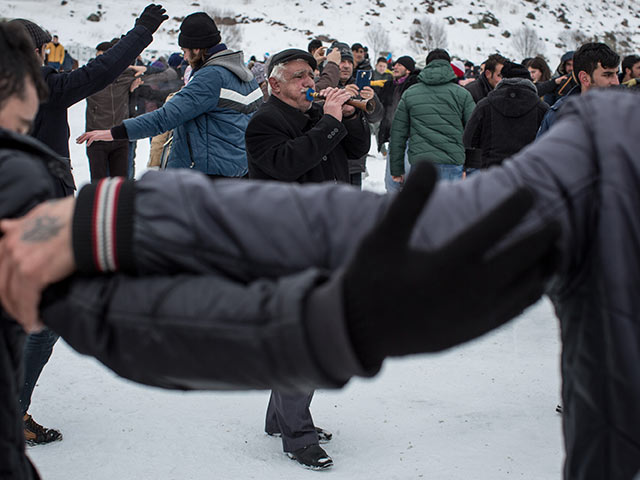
x=592 y=195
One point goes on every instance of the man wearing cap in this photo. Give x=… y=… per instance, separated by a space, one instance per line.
x=209 y=115
x=292 y=139
x=52 y=128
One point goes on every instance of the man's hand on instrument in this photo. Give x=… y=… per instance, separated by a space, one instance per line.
x=35 y=252
x=335 y=99
x=94 y=136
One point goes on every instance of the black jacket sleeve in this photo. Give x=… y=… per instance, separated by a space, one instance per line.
x=65 y=89
x=358 y=141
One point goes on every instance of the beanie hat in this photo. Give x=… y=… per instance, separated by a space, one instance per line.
x=515 y=70
x=175 y=59
x=198 y=30
x=407 y=62
x=38 y=36
x=345 y=51
x=458 y=68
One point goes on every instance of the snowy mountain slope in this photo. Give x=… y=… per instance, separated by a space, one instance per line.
x=473 y=28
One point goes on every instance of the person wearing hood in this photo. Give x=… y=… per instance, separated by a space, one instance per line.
x=563 y=77
x=431 y=116
x=209 y=115
x=505 y=121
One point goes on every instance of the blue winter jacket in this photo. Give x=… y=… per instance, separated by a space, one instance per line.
x=208 y=116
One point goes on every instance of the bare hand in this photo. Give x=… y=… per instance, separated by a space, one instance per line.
x=96 y=135
x=138 y=69
x=561 y=79
x=466 y=81
x=366 y=93
x=399 y=179
x=334 y=100
x=35 y=252
x=135 y=84
x=334 y=56
x=319 y=55
x=352 y=88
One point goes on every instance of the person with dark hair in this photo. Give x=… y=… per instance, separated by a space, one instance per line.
x=505 y=121
x=29 y=174
x=404 y=75
x=51 y=127
x=55 y=53
x=595 y=65
x=209 y=114
x=105 y=109
x=564 y=78
x=431 y=117
x=360 y=60
x=490 y=77
x=541 y=77
x=313 y=46
x=630 y=68
x=381 y=73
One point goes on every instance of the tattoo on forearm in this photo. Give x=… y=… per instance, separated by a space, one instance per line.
x=42 y=229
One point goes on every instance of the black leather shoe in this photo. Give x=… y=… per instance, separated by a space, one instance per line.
x=312 y=457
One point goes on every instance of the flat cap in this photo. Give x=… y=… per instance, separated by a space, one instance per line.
x=288 y=55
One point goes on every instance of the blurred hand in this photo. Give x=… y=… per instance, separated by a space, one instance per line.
x=334 y=56
x=561 y=79
x=35 y=252
x=96 y=135
x=366 y=93
x=399 y=179
x=319 y=55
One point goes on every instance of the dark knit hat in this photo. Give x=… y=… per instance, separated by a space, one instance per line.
x=515 y=70
x=345 y=51
x=407 y=62
x=37 y=34
x=198 y=30
x=103 y=46
x=175 y=59
x=288 y=55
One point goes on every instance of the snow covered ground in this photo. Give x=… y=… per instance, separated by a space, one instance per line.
x=481 y=411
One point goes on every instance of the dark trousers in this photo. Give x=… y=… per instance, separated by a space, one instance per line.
x=37 y=351
x=289 y=414
x=108 y=159
x=355 y=179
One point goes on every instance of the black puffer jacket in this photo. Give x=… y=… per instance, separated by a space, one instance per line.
x=28 y=175
x=390 y=95
x=503 y=123
x=479 y=89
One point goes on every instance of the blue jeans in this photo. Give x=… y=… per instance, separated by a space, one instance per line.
x=389 y=185
x=37 y=350
x=448 y=172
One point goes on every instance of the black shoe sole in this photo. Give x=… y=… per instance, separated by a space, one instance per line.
x=325 y=466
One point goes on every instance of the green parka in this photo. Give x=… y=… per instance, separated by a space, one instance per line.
x=431 y=116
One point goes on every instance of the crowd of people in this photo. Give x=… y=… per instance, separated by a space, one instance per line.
x=335 y=259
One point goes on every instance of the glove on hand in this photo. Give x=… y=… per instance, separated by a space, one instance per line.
x=399 y=300
x=151 y=17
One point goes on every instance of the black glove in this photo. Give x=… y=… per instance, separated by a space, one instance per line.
x=151 y=17
x=399 y=300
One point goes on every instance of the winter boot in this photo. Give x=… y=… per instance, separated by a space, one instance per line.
x=35 y=434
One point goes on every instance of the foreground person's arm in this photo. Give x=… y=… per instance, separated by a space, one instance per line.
x=306 y=330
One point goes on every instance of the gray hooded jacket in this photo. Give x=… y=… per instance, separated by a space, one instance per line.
x=261 y=308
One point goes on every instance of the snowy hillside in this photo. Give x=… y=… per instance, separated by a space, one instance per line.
x=472 y=29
